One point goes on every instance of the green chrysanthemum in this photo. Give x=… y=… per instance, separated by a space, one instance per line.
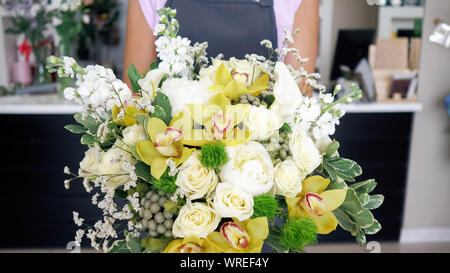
x=213 y=156
x=297 y=233
x=165 y=183
x=265 y=205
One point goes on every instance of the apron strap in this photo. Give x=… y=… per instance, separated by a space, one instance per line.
x=266 y=3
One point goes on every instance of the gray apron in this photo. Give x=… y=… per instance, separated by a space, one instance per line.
x=231 y=27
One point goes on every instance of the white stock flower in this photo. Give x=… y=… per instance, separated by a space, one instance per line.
x=262 y=122
x=132 y=134
x=288 y=179
x=286 y=92
x=231 y=201
x=182 y=91
x=249 y=167
x=304 y=151
x=195 y=219
x=195 y=180
x=69 y=93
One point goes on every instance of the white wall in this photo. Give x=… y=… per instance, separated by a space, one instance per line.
x=427 y=208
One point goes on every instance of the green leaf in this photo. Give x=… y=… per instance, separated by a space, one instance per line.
x=345 y=168
x=89 y=122
x=364 y=219
x=365 y=186
x=134 y=152
x=154 y=65
x=134 y=76
x=88 y=139
x=286 y=128
x=142 y=170
x=119 y=246
x=269 y=99
x=141 y=118
x=351 y=203
x=374 y=202
x=345 y=222
x=364 y=198
x=360 y=237
x=162 y=100
x=374 y=228
x=337 y=184
x=76 y=129
x=133 y=244
x=161 y=114
x=332 y=148
x=155 y=245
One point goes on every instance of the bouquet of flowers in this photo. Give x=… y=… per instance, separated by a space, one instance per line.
x=219 y=157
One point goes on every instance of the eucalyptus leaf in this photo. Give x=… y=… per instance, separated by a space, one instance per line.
x=337 y=184
x=374 y=202
x=161 y=114
x=364 y=198
x=332 y=148
x=133 y=243
x=76 y=129
x=88 y=122
x=162 y=100
x=134 y=75
x=374 y=228
x=345 y=222
x=351 y=203
x=119 y=246
x=364 y=187
x=364 y=219
x=88 y=139
x=142 y=170
x=141 y=118
x=134 y=152
x=360 y=237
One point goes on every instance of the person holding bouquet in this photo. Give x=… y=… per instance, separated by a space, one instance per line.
x=230 y=27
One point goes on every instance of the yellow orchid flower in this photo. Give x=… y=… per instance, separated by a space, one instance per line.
x=233 y=85
x=317 y=203
x=128 y=118
x=190 y=244
x=241 y=237
x=165 y=144
x=216 y=121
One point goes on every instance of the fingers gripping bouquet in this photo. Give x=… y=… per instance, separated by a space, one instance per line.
x=204 y=157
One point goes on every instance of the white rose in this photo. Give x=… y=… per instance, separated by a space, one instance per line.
x=182 y=91
x=195 y=219
x=286 y=92
x=112 y=166
x=151 y=81
x=195 y=180
x=288 y=179
x=249 y=167
x=262 y=122
x=132 y=134
x=232 y=201
x=89 y=166
x=304 y=151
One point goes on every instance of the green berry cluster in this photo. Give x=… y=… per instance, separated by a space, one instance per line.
x=155 y=219
x=282 y=151
x=255 y=100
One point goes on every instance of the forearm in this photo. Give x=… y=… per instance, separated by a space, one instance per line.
x=140 y=41
x=306 y=41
